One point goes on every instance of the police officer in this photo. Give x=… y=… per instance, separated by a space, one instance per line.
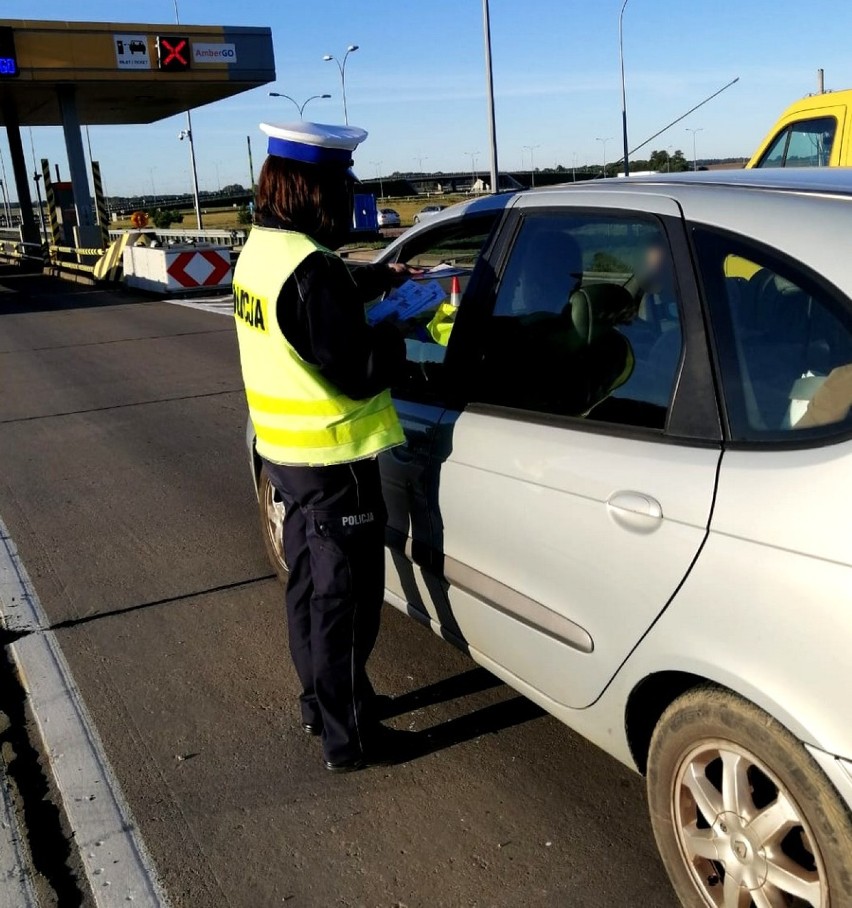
x=317 y=378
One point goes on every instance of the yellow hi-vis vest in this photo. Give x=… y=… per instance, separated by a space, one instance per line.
x=299 y=417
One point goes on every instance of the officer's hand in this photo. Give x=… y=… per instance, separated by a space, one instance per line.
x=401 y=273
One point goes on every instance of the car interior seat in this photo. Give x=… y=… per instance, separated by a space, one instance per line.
x=777 y=344
x=603 y=360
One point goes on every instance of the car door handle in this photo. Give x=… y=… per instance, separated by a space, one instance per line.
x=626 y=506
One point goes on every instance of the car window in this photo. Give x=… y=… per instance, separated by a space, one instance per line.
x=586 y=322
x=784 y=343
x=803 y=144
x=448 y=253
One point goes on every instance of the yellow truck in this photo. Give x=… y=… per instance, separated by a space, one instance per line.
x=813 y=132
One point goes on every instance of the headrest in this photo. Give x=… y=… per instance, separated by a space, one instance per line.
x=597 y=308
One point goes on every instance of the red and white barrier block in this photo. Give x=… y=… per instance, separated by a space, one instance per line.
x=173 y=269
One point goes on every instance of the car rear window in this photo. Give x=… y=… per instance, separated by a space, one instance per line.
x=784 y=342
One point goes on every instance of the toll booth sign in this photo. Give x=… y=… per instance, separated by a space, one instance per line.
x=131 y=51
x=8 y=58
x=174 y=53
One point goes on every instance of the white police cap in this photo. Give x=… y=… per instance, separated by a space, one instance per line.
x=313 y=143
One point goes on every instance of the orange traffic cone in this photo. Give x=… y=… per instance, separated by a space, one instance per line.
x=455 y=292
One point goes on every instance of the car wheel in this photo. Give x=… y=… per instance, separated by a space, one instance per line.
x=416 y=219
x=271 y=509
x=742 y=815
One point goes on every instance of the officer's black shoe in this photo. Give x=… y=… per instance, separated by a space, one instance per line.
x=312 y=728
x=384 y=747
x=344 y=765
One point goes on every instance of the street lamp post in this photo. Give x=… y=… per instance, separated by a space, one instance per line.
x=7 y=210
x=187 y=134
x=378 y=165
x=603 y=141
x=472 y=155
x=531 y=149
x=694 y=131
x=489 y=80
x=342 y=67
x=299 y=107
x=36 y=178
x=4 y=181
x=623 y=91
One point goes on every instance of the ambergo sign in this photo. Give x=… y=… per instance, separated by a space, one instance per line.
x=214 y=53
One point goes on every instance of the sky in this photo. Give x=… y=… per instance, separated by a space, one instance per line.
x=417 y=82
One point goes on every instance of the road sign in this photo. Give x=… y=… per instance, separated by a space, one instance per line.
x=213 y=53
x=173 y=52
x=204 y=268
x=131 y=51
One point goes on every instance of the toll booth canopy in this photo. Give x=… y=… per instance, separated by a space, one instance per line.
x=103 y=73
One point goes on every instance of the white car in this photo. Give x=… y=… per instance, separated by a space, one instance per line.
x=625 y=490
x=428 y=211
x=388 y=217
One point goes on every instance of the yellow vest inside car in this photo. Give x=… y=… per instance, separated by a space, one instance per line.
x=299 y=417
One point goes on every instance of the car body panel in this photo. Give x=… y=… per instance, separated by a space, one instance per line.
x=766 y=636
x=790 y=500
x=535 y=508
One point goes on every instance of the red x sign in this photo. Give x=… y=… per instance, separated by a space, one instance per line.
x=173 y=52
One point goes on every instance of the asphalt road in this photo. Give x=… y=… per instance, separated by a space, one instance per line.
x=125 y=485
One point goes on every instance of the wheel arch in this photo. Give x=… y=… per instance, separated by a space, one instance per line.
x=648 y=700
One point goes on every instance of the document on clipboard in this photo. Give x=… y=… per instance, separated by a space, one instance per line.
x=445 y=269
x=408 y=300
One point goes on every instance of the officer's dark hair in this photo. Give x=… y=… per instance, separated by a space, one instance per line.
x=309 y=198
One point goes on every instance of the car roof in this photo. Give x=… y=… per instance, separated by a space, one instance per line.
x=834 y=180
x=817 y=180
x=798 y=211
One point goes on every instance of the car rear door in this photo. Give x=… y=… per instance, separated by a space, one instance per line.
x=572 y=501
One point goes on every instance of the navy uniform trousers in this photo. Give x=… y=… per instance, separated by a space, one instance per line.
x=334 y=544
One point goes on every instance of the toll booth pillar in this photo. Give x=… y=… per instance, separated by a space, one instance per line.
x=76 y=156
x=29 y=228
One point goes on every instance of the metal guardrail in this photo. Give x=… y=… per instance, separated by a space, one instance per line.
x=82 y=261
x=215 y=237
x=14 y=249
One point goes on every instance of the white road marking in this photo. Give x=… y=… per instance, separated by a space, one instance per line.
x=116 y=862
x=15 y=887
x=221 y=305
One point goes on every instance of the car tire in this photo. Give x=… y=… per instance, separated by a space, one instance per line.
x=416 y=219
x=780 y=829
x=271 y=511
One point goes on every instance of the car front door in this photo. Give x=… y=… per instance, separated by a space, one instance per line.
x=574 y=489
x=447 y=252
